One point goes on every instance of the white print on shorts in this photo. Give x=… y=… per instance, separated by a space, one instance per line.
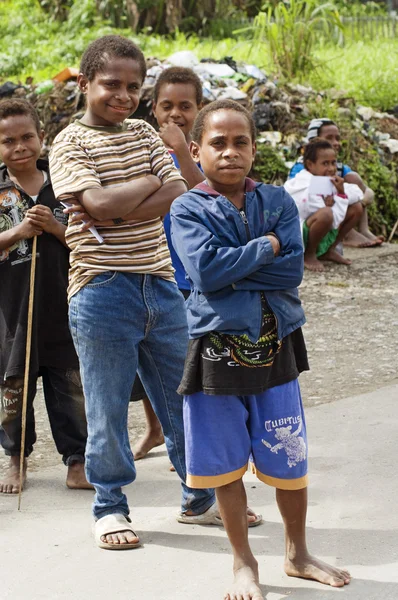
x=293 y=444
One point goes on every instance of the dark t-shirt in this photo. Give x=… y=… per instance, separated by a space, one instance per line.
x=52 y=344
x=220 y=364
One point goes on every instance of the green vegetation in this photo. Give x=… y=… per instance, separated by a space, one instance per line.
x=39 y=38
x=33 y=45
x=292 y=33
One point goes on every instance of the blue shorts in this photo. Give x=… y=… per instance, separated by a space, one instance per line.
x=222 y=433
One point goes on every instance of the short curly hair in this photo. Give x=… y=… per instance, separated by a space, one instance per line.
x=179 y=75
x=312 y=148
x=99 y=52
x=200 y=122
x=12 y=107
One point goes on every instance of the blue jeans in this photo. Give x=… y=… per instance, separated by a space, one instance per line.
x=121 y=322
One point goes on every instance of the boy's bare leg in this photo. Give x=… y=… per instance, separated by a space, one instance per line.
x=363 y=228
x=298 y=562
x=232 y=503
x=76 y=477
x=354 y=213
x=153 y=435
x=319 y=224
x=10 y=483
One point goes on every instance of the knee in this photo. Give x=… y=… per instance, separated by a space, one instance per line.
x=355 y=211
x=368 y=197
x=325 y=215
x=229 y=488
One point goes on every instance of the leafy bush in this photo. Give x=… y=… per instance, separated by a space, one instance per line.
x=269 y=167
x=292 y=31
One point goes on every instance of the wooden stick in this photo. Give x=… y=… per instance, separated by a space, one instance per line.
x=393 y=230
x=27 y=365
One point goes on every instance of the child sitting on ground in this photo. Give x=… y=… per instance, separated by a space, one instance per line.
x=327 y=129
x=177 y=101
x=240 y=244
x=28 y=208
x=325 y=221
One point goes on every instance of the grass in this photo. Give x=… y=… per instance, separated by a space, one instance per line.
x=31 y=45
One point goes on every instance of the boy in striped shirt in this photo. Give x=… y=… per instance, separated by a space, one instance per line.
x=125 y=307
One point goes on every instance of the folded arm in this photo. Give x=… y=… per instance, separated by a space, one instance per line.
x=116 y=201
x=209 y=264
x=286 y=270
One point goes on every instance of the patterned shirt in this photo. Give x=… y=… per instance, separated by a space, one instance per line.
x=84 y=157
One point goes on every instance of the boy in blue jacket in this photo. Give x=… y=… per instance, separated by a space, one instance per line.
x=240 y=244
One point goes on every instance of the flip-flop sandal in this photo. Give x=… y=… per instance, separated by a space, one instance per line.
x=115 y=523
x=212 y=517
x=257 y=521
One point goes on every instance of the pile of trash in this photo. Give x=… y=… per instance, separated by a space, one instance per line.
x=281 y=112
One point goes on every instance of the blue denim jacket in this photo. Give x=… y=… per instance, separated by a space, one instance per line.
x=229 y=261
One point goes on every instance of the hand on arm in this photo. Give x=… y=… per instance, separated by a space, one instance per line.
x=159 y=203
x=275 y=243
x=173 y=138
x=23 y=231
x=77 y=214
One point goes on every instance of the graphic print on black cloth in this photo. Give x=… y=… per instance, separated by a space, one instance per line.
x=224 y=364
x=240 y=350
x=12 y=209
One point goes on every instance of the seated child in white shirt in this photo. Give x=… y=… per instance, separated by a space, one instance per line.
x=325 y=219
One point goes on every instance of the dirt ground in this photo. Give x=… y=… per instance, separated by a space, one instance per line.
x=351 y=335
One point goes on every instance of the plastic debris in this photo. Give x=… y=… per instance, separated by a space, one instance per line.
x=365 y=112
x=216 y=69
x=280 y=111
x=185 y=58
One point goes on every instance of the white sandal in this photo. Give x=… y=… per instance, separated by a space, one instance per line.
x=212 y=517
x=114 y=523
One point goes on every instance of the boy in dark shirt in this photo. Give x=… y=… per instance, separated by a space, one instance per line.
x=28 y=208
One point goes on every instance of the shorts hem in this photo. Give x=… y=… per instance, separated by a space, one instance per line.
x=213 y=481
x=281 y=484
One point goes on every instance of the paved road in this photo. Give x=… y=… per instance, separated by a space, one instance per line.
x=48 y=553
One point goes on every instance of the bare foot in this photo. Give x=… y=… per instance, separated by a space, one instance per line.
x=76 y=478
x=120 y=538
x=313 y=264
x=10 y=483
x=149 y=441
x=355 y=239
x=334 y=256
x=379 y=239
x=313 y=568
x=245 y=585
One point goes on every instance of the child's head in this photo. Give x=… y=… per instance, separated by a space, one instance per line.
x=112 y=71
x=320 y=158
x=224 y=142
x=20 y=135
x=326 y=129
x=177 y=98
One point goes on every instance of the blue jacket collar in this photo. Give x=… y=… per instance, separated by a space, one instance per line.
x=250 y=186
